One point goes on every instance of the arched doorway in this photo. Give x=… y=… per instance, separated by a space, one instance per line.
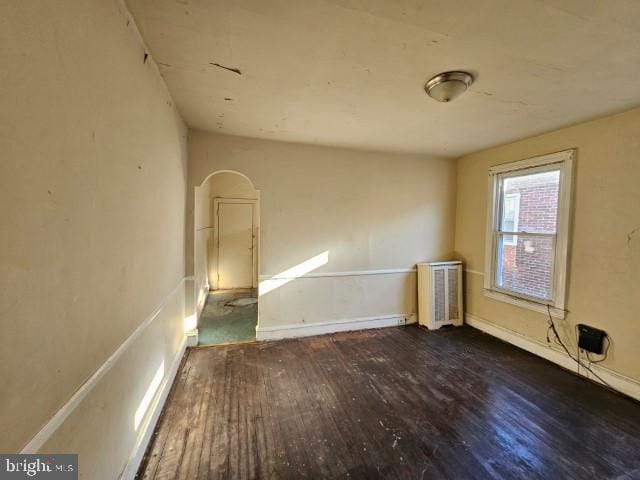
x=226 y=251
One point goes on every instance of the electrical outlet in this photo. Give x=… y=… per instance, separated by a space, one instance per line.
x=402 y=321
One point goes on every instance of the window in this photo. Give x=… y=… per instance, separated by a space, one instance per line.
x=527 y=232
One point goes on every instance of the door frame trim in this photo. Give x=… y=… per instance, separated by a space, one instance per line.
x=255 y=230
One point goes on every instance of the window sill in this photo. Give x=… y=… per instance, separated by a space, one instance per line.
x=528 y=304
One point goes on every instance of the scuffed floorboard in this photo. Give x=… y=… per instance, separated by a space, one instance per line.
x=389 y=403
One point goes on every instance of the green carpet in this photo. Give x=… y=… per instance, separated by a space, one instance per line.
x=224 y=323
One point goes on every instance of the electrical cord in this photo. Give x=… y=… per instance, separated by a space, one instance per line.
x=552 y=327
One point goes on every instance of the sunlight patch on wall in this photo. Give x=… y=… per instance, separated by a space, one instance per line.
x=190 y=323
x=148 y=396
x=292 y=273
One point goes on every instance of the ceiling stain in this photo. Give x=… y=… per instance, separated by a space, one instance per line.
x=630 y=236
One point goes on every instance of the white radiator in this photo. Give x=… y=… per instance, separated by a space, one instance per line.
x=440 y=294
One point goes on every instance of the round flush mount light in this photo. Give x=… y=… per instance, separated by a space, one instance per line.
x=447 y=86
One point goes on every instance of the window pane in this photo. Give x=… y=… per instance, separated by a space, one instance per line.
x=530 y=202
x=526 y=267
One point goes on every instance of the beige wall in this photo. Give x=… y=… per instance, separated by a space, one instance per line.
x=604 y=265
x=102 y=429
x=370 y=211
x=92 y=197
x=231 y=185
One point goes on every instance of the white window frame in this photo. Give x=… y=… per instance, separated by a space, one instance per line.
x=564 y=162
x=514 y=238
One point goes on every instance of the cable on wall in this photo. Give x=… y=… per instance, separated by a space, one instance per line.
x=558 y=340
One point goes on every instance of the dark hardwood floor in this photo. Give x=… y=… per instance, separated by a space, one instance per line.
x=391 y=403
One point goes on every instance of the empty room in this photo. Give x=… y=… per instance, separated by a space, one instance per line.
x=320 y=239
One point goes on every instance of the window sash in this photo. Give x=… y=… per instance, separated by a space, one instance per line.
x=500 y=200
x=526 y=232
x=508 y=291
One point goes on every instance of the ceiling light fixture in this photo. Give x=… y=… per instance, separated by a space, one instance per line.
x=447 y=86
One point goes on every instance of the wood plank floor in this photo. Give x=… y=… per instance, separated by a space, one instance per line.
x=390 y=403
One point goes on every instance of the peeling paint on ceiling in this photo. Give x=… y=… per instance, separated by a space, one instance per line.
x=351 y=73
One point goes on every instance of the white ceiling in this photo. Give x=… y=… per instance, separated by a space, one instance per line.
x=351 y=72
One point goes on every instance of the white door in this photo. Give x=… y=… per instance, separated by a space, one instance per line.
x=235 y=245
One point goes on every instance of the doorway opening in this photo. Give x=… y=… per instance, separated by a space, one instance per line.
x=227 y=226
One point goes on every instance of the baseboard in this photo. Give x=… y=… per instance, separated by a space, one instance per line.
x=621 y=383
x=61 y=415
x=192 y=338
x=149 y=425
x=310 y=329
